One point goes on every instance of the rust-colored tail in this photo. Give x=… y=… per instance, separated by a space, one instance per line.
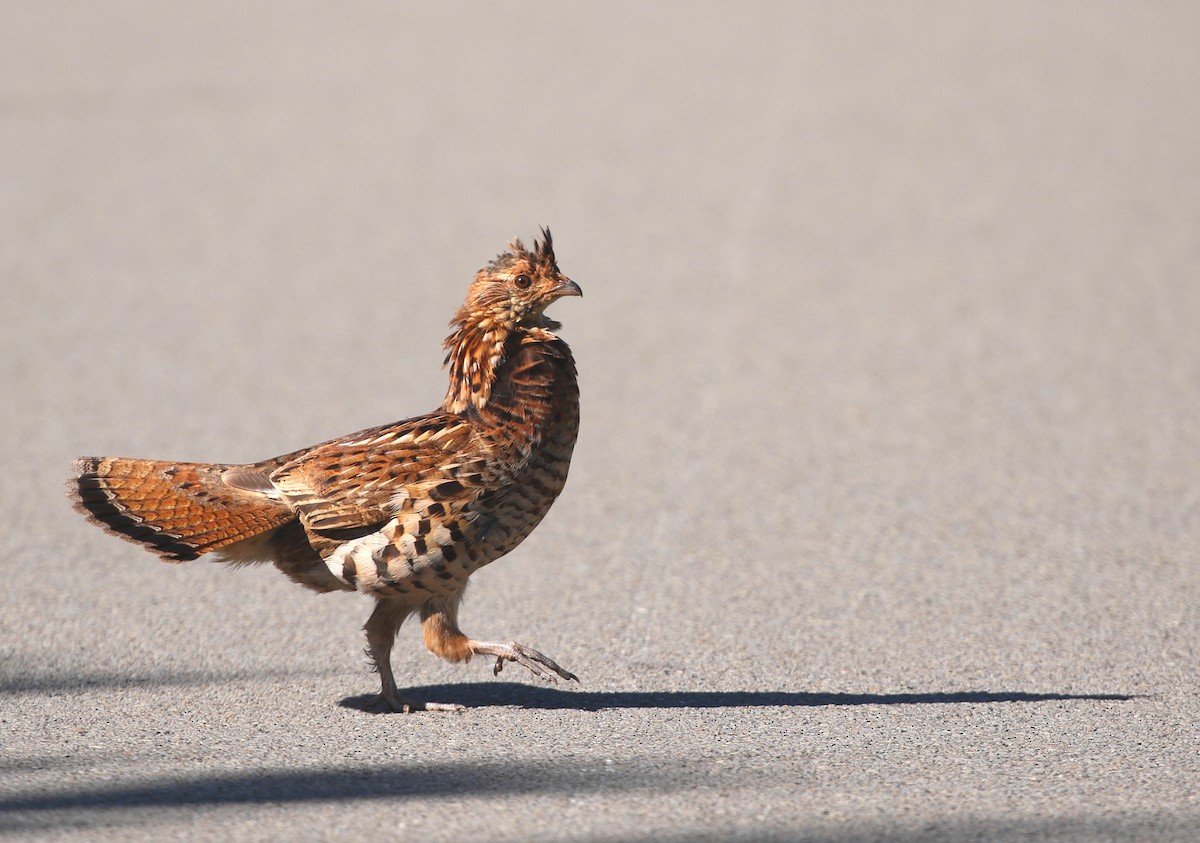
x=177 y=510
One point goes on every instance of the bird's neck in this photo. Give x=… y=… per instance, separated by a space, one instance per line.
x=474 y=352
x=477 y=350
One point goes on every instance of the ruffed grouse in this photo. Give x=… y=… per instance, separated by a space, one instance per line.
x=404 y=512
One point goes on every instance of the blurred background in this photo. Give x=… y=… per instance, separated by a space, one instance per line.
x=889 y=348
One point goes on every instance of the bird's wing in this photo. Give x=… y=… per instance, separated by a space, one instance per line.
x=359 y=482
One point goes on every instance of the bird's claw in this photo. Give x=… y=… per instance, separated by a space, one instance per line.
x=538 y=664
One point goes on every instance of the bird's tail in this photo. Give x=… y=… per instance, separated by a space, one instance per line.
x=177 y=510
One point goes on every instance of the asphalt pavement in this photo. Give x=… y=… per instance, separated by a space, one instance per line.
x=884 y=520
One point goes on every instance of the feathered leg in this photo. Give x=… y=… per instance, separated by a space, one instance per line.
x=439 y=622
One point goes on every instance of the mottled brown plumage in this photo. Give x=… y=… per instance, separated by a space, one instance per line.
x=404 y=512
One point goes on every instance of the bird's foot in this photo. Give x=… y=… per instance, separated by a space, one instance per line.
x=540 y=665
x=394 y=702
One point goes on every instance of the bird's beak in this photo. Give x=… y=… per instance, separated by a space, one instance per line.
x=567 y=287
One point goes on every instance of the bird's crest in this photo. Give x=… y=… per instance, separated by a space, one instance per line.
x=541 y=257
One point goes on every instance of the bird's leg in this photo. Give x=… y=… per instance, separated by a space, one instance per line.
x=381 y=629
x=439 y=621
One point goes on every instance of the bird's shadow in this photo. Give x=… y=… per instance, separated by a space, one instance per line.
x=494 y=694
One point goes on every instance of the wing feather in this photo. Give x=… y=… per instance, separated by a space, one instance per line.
x=361 y=480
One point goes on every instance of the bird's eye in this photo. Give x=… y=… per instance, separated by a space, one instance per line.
x=524 y=282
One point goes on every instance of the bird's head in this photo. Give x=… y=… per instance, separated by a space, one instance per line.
x=507 y=300
x=514 y=290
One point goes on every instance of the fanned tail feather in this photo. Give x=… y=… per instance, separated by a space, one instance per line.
x=177 y=510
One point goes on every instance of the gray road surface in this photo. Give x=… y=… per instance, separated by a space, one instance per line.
x=885 y=516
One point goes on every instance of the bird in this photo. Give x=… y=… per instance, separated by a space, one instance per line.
x=403 y=512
